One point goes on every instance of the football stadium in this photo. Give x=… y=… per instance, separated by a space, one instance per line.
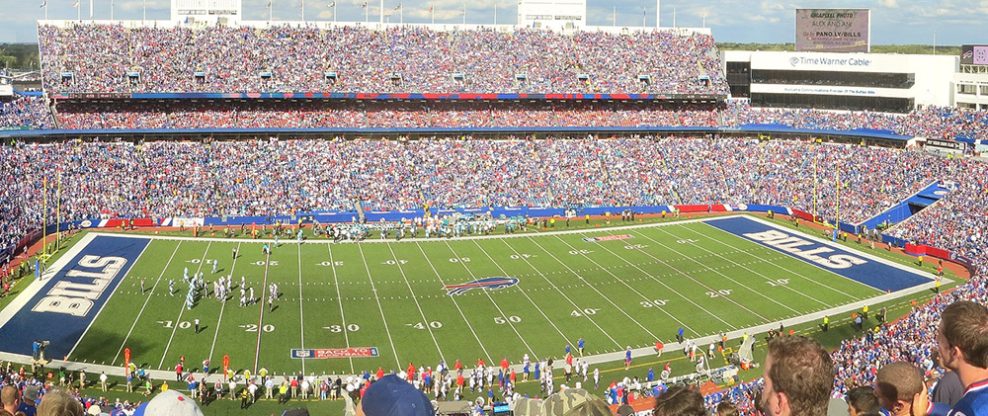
x=207 y=214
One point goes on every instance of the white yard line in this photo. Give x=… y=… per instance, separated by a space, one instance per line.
x=301 y=316
x=138 y=318
x=130 y=269
x=339 y=299
x=562 y=293
x=379 y=308
x=216 y=334
x=667 y=247
x=767 y=279
x=260 y=319
x=425 y=321
x=457 y=305
x=525 y=294
x=592 y=287
x=659 y=281
x=773 y=264
x=493 y=302
x=182 y=309
x=618 y=279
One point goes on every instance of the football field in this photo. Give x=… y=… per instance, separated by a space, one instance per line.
x=347 y=307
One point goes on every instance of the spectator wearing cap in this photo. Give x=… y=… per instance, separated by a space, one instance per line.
x=574 y=402
x=799 y=375
x=29 y=402
x=60 y=403
x=392 y=396
x=169 y=403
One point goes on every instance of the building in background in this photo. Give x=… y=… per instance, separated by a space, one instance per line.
x=552 y=14
x=841 y=81
x=222 y=12
x=971 y=82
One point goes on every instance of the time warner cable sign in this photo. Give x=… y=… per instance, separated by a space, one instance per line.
x=833 y=30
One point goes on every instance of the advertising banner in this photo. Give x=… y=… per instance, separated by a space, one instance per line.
x=833 y=30
x=974 y=55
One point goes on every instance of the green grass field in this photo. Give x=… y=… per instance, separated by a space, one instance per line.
x=391 y=296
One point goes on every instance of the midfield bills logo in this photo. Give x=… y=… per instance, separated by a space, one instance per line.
x=324 y=353
x=490 y=283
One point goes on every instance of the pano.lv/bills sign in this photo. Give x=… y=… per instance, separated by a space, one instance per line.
x=833 y=30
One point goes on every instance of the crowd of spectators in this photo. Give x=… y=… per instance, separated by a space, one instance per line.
x=930 y=122
x=380 y=115
x=25 y=113
x=24 y=391
x=172 y=178
x=408 y=59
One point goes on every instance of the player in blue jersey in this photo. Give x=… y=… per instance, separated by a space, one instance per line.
x=962 y=340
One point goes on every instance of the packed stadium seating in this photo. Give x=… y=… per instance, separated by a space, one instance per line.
x=924 y=122
x=199 y=178
x=25 y=113
x=408 y=59
x=178 y=178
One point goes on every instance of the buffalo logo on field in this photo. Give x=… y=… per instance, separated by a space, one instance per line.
x=490 y=283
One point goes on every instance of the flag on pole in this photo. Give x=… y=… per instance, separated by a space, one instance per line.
x=333 y=4
x=76 y=4
x=44 y=3
x=363 y=6
x=398 y=7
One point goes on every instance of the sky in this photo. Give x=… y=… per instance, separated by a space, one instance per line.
x=945 y=22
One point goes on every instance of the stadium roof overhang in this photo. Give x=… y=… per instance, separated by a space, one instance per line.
x=671 y=98
x=871 y=136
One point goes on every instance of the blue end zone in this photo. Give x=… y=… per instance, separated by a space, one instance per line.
x=69 y=301
x=827 y=256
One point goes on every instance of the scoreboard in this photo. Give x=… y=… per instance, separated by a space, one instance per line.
x=206 y=10
x=974 y=55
